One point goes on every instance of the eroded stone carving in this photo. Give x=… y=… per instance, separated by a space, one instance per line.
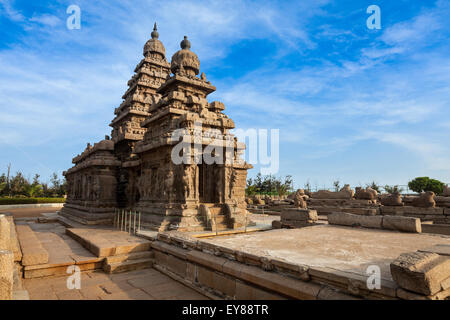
x=345 y=193
x=425 y=200
x=394 y=200
x=365 y=193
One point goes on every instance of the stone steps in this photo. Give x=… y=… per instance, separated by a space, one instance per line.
x=33 y=253
x=68 y=214
x=68 y=222
x=108 y=242
x=128 y=257
x=128 y=265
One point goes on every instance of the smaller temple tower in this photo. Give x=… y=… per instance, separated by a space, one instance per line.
x=206 y=190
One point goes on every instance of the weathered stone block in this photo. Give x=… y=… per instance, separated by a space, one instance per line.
x=347 y=219
x=361 y=211
x=6 y=274
x=327 y=293
x=4 y=233
x=418 y=210
x=177 y=265
x=225 y=285
x=388 y=210
x=276 y=224
x=297 y=223
x=191 y=272
x=248 y=292
x=406 y=224
x=299 y=214
x=421 y=272
x=281 y=284
x=408 y=295
x=206 y=259
x=205 y=277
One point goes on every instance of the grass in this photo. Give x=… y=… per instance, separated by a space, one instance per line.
x=9 y=201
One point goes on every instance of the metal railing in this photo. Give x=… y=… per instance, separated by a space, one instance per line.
x=127 y=221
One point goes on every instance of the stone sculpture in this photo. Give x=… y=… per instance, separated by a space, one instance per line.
x=366 y=193
x=394 y=200
x=425 y=200
x=345 y=193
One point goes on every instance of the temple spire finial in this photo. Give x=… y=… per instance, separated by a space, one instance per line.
x=155 y=33
x=185 y=44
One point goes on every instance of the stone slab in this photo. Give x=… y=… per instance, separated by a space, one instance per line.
x=441 y=249
x=347 y=219
x=299 y=214
x=421 y=272
x=32 y=250
x=436 y=228
x=106 y=242
x=406 y=224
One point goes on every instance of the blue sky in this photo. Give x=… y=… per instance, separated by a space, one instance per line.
x=351 y=103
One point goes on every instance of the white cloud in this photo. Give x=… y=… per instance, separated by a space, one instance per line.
x=47 y=20
x=10 y=12
x=60 y=83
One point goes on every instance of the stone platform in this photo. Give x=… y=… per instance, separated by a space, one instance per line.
x=316 y=262
x=340 y=248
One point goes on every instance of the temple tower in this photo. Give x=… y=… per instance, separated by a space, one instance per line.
x=171 y=156
x=197 y=193
x=150 y=73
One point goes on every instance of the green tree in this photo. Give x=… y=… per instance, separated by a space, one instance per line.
x=17 y=184
x=421 y=184
x=336 y=185
x=307 y=186
x=374 y=186
x=394 y=189
x=2 y=187
x=32 y=190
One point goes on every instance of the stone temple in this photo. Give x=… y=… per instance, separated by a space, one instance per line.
x=134 y=169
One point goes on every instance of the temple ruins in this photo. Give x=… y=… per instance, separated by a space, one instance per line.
x=162 y=201
x=134 y=170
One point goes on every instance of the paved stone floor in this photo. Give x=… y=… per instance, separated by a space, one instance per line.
x=30 y=212
x=146 y=284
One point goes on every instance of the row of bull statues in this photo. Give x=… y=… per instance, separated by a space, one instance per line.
x=424 y=200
